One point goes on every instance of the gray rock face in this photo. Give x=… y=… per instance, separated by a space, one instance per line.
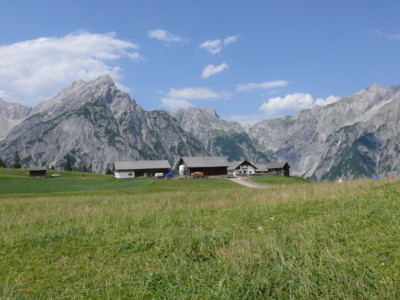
x=11 y=114
x=356 y=136
x=95 y=124
x=220 y=137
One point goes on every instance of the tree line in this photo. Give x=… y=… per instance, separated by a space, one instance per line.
x=16 y=162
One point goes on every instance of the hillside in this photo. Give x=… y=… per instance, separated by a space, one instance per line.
x=203 y=239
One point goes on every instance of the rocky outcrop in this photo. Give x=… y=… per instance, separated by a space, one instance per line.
x=11 y=114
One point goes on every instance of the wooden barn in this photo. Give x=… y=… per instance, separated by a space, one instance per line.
x=37 y=172
x=276 y=168
x=140 y=168
x=242 y=167
x=208 y=165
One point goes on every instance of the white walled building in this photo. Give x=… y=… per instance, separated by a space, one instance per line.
x=242 y=167
x=140 y=168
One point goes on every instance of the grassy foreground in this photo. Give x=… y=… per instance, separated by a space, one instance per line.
x=205 y=239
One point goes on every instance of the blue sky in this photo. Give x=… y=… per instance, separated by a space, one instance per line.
x=248 y=60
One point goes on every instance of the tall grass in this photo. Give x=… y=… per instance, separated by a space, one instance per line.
x=205 y=239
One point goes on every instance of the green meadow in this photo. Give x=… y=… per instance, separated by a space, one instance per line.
x=92 y=236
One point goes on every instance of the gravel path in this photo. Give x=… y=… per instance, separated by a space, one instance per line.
x=246 y=182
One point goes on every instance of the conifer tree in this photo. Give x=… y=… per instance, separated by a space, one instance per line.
x=16 y=161
x=68 y=166
x=2 y=163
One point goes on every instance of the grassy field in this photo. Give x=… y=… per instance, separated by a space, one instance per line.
x=16 y=181
x=278 y=180
x=204 y=239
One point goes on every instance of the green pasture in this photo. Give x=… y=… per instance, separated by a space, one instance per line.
x=18 y=182
x=202 y=239
x=278 y=180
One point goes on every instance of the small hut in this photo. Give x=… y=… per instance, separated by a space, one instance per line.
x=37 y=172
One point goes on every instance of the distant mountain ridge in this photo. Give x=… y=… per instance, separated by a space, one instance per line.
x=95 y=124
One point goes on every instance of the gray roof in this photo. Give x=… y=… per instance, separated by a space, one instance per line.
x=142 y=164
x=235 y=164
x=37 y=169
x=273 y=165
x=205 y=161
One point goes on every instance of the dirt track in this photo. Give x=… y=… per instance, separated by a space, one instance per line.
x=246 y=182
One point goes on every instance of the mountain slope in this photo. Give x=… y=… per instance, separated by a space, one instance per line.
x=95 y=124
x=220 y=137
x=352 y=137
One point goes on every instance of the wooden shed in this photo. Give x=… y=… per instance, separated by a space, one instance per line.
x=140 y=168
x=280 y=168
x=209 y=165
x=37 y=172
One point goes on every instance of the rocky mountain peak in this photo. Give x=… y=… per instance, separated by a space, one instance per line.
x=81 y=92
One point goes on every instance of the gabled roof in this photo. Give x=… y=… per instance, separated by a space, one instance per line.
x=235 y=164
x=205 y=161
x=37 y=169
x=274 y=165
x=142 y=164
x=277 y=165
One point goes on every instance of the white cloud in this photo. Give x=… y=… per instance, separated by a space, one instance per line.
x=260 y=86
x=215 y=46
x=322 y=102
x=175 y=104
x=4 y=95
x=292 y=103
x=34 y=70
x=231 y=39
x=190 y=93
x=178 y=98
x=390 y=36
x=287 y=105
x=163 y=35
x=212 y=70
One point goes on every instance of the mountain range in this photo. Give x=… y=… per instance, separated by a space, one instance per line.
x=94 y=124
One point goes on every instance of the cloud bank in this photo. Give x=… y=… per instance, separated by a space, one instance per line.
x=34 y=70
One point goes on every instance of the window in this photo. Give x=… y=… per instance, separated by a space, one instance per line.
x=130 y=174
